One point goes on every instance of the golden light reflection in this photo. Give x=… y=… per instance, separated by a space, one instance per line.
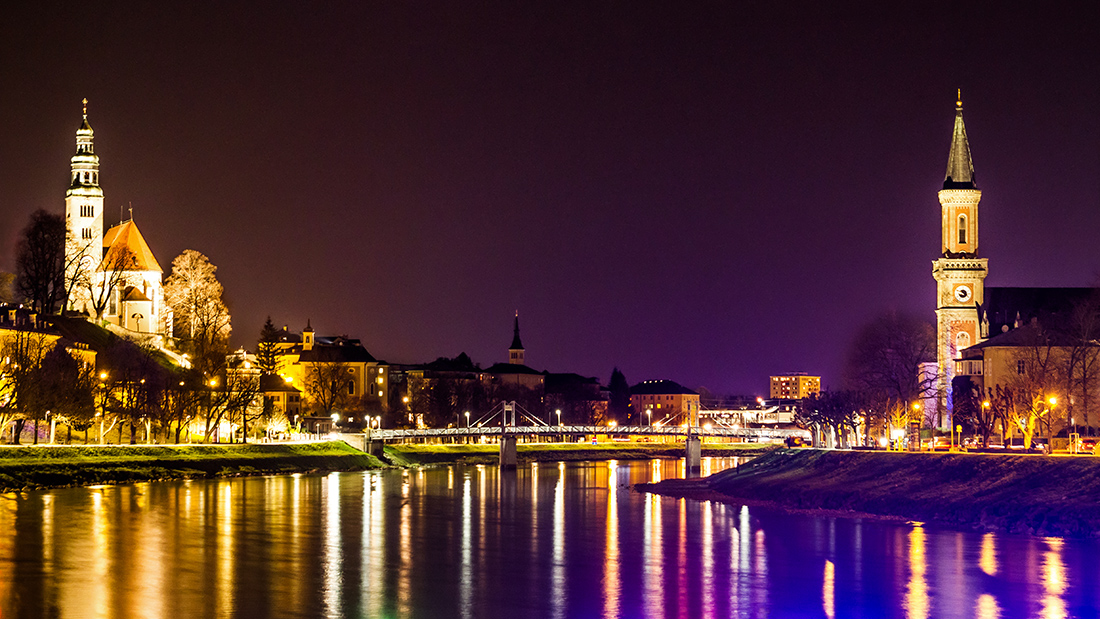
x=558 y=593
x=611 y=556
x=707 y=462
x=654 y=593
x=47 y=528
x=404 y=568
x=828 y=590
x=987 y=607
x=374 y=546
x=655 y=473
x=1054 y=581
x=101 y=565
x=988 y=559
x=225 y=579
x=708 y=559
x=681 y=555
x=916 y=597
x=466 y=565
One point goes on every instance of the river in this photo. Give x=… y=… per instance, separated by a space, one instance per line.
x=550 y=540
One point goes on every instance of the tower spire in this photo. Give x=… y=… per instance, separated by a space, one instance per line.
x=960 y=166
x=85 y=102
x=515 y=351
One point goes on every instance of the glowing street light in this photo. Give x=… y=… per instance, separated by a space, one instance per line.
x=467 y=419
x=649 y=416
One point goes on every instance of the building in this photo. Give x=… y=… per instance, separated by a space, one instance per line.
x=664 y=401
x=332 y=371
x=967 y=311
x=118 y=279
x=794 y=386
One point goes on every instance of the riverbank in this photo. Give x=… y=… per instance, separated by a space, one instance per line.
x=489 y=453
x=23 y=468
x=1036 y=495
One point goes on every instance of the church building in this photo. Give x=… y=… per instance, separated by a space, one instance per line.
x=967 y=311
x=116 y=278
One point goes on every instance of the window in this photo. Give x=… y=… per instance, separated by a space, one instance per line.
x=1020 y=367
x=86 y=233
x=962 y=340
x=351 y=387
x=962 y=229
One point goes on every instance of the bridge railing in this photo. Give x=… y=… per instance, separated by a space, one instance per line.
x=617 y=431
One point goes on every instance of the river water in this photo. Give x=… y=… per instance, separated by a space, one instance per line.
x=549 y=540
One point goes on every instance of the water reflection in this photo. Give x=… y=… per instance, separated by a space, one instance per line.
x=551 y=540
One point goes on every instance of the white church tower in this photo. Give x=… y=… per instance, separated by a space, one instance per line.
x=84 y=209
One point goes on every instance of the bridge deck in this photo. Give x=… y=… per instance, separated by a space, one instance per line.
x=619 y=431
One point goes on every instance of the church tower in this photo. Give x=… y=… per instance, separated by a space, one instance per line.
x=84 y=210
x=515 y=351
x=959 y=272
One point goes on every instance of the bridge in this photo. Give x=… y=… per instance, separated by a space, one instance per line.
x=617 y=431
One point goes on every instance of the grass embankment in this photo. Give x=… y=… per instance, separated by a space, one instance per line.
x=51 y=467
x=412 y=455
x=1036 y=495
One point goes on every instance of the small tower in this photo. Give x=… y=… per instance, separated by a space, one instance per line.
x=84 y=211
x=515 y=351
x=959 y=272
x=307 y=337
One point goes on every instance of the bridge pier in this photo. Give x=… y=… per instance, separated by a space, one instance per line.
x=693 y=455
x=508 y=452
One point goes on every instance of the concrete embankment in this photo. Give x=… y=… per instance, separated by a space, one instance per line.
x=414 y=455
x=51 y=467
x=1037 y=495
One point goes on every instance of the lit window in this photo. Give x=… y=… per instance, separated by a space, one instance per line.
x=962 y=229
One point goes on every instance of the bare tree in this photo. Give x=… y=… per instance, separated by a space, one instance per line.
x=21 y=354
x=40 y=261
x=326 y=382
x=202 y=321
x=115 y=265
x=884 y=364
x=7 y=287
x=1040 y=375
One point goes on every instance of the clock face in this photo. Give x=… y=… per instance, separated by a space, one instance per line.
x=962 y=294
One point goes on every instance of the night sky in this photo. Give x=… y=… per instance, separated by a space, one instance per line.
x=709 y=193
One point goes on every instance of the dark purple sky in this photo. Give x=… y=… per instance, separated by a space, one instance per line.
x=710 y=194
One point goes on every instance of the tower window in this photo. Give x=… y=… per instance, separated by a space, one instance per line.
x=962 y=229
x=85 y=233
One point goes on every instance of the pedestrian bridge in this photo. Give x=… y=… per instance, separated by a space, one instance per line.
x=576 y=431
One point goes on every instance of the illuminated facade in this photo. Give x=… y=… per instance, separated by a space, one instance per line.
x=959 y=272
x=119 y=279
x=794 y=386
x=667 y=399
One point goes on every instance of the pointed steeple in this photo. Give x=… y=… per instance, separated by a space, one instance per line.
x=516 y=344
x=960 y=167
x=515 y=351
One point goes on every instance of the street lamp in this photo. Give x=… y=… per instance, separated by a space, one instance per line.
x=558 y=411
x=649 y=416
x=467 y=419
x=1053 y=401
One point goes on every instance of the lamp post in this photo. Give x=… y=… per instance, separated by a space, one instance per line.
x=649 y=416
x=916 y=415
x=1053 y=401
x=102 y=403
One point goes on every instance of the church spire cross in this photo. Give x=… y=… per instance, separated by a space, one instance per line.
x=85 y=102
x=960 y=165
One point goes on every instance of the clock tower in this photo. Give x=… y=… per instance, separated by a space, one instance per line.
x=959 y=272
